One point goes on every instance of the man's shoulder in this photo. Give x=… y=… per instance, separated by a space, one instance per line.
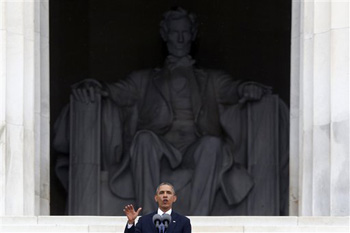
x=180 y=216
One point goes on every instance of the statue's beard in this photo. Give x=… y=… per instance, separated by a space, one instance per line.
x=179 y=52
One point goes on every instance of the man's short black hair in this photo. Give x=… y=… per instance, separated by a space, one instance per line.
x=165 y=183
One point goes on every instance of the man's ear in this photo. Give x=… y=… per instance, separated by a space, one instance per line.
x=155 y=198
x=175 y=198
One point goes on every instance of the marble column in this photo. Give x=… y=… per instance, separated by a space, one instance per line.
x=24 y=107
x=320 y=89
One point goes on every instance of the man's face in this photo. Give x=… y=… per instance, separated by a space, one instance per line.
x=179 y=37
x=165 y=197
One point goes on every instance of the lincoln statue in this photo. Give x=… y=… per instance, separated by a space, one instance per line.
x=176 y=124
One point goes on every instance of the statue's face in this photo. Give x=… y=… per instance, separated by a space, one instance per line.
x=179 y=37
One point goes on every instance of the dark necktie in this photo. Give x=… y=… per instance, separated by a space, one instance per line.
x=162 y=227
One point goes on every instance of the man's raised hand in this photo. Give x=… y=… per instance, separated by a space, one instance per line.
x=130 y=213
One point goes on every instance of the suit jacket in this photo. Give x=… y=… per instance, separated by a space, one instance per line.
x=179 y=224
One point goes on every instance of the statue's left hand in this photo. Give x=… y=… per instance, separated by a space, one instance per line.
x=86 y=90
x=252 y=91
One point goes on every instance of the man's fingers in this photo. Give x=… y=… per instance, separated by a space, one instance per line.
x=130 y=213
x=128 y=208
x=131 y=208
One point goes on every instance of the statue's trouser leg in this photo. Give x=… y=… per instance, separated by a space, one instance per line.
x=146 y=152
x=207 y=156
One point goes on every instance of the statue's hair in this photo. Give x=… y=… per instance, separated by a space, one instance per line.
x=178 y=13
x=165 y=183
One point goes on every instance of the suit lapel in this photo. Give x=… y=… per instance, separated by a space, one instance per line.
x=174 y=222
x=153 y=227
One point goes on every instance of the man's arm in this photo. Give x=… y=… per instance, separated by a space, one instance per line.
x=129 y=229
x=131 y=214
x=134 y=228
x=187 y=227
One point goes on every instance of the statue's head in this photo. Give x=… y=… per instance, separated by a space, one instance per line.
x=178 y=29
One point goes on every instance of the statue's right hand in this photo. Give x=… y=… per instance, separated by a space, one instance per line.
x=130 y=213
x=86 y=90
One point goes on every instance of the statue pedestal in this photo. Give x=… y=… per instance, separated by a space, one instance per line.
x=199 y=224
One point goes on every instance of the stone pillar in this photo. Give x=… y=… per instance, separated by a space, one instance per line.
x=320 y=108
x=24 y=107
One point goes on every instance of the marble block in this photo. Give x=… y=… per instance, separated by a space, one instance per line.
x=242 y=220
x=85 y=220
x=43 y=228
x=276 y=229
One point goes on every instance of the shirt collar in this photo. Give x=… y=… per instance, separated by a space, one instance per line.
x=160 y=212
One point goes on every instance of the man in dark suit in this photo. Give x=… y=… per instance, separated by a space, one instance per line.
x=165 y=197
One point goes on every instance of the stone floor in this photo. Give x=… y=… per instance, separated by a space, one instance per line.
x=199 y=224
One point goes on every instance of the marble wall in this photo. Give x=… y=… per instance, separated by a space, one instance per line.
x=320 y=108
x=24 y=107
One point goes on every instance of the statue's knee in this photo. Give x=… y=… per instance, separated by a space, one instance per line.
x=143 y=146
x=144 y=137
x=208 y=149
x=211 y=142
